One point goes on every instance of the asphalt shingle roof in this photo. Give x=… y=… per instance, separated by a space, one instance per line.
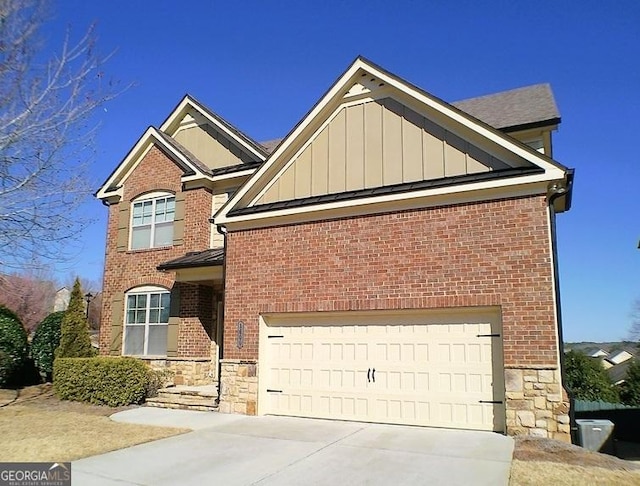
x=515 y=108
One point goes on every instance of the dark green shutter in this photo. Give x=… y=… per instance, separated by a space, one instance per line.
x=178 y=220
x=117 y=318
x=174 y=322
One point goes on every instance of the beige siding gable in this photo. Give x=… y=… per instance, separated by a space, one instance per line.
x=209 y=145
x=378 y=143
x=218 y=200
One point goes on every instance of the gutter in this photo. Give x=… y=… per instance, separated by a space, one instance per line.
x=554 y=193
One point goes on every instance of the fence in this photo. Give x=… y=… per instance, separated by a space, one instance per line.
x=626 y=419
x=586 y=406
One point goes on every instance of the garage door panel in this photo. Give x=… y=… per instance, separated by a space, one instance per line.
x=427 y=371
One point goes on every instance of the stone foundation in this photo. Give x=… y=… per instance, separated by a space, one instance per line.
x=537 y=404
x=239 y=386
x=186 y=371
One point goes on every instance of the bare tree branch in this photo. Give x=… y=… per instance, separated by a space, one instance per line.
x=46 y=136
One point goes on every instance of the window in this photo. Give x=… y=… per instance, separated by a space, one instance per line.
x=152 y=221
x=146 y=322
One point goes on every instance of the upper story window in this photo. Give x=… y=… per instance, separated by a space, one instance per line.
x=152 y=221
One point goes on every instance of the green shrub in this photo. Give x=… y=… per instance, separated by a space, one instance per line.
x=44 y=343
x=13 y=346
x=158 y=379
x=105 y=380
x=74 y=330
x=587 y=379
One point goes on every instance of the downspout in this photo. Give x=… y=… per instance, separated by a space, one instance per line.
x=554 y=193
x=223 y=231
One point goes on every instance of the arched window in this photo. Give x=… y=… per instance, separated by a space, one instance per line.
x=146 y=321
x=152 y=220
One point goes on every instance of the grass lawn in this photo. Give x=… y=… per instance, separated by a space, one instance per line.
x=36 y=426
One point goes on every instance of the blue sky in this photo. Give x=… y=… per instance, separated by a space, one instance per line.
x=262 y=64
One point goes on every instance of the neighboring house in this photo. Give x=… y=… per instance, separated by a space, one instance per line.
x=595 y=353
x=391 y=260
x=61 y=301
x=618 y=373
x=618 y=357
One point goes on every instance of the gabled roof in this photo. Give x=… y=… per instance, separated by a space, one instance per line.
x=189 y=102
x=355 y=83
x=620 y=356
x=180 y=154
x=508 y=111
x=516 y=109
x=187 y=161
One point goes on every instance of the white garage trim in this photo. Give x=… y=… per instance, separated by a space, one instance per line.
x=439 y=368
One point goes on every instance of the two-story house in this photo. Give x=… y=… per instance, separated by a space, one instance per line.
x=392 y=259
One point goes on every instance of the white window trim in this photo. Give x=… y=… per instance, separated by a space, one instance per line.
x=142 y=290
x=146 y=197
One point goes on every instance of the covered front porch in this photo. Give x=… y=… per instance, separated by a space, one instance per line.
x=194 y=334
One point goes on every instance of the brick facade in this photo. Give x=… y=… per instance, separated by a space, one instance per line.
x=127 y=269
x=477 y=254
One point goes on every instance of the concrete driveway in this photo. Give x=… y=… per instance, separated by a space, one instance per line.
x=240 y=450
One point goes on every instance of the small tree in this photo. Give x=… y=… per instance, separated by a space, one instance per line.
x=13 y=345
x=45 y=341
x=74 y=330
x=630 y=389
x=587 y=379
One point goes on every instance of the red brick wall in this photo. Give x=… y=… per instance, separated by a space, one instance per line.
x=476 y=254
x=196 y=311
x=124 y=270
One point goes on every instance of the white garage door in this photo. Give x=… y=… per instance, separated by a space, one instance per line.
x=434 y=369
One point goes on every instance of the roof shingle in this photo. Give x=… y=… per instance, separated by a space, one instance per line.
x=514 y=109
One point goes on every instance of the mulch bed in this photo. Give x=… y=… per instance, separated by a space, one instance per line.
x=549 y=450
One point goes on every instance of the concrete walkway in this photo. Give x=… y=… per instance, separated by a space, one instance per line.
x=241 y=450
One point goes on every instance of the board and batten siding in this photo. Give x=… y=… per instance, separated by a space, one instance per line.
x=218 y=200
x=375 y=144
x=211 y=147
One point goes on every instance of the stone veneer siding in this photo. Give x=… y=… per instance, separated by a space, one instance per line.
x=127 y=269
x=185 y=371
x=493 y=253
x=537 y=404
x=239 y=386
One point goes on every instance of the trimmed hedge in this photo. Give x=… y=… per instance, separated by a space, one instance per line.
x=13 y=346
x=45 y=341
x=104 y=380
